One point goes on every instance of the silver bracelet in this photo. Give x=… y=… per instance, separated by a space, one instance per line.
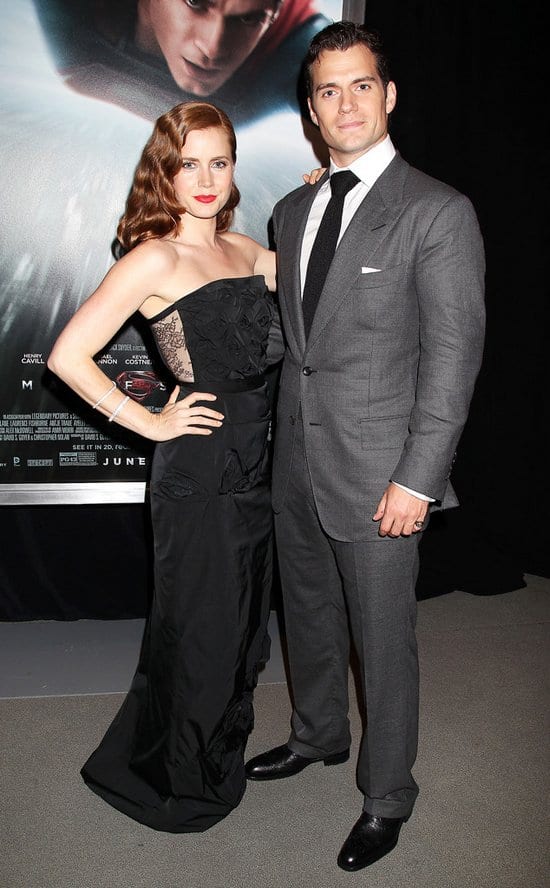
x=117 y=410
x=106 y=395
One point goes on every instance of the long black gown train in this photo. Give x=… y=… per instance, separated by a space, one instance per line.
x=173 y=758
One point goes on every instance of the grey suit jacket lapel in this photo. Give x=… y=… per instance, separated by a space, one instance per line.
x=364 y=235
x=289 y=248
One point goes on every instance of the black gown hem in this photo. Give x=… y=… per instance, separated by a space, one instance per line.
x=146 y=817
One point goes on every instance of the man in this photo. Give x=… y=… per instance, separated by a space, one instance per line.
x=147 y=55
x=379 y=370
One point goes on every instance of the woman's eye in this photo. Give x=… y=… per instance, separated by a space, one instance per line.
x=195 y=4
x=219 y=164
x=187 y=165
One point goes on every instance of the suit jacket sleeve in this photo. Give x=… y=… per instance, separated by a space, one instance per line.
x=449 y=277
x=275 y=343
x=276 y=219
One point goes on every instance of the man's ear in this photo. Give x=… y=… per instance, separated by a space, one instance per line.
x=312 y=113
x=391 y=97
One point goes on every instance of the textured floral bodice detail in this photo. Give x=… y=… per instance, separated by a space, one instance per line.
x=219 y=331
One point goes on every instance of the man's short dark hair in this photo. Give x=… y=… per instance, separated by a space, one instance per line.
x=342 y=36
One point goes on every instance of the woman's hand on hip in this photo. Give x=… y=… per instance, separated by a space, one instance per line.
x=184 y=418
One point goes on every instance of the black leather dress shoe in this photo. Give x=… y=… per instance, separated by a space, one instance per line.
x=370 y=839
x=282 y=762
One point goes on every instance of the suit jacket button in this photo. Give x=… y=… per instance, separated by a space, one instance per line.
x=307 y=371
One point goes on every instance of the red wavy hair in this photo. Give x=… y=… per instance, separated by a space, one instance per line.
x=152 y=209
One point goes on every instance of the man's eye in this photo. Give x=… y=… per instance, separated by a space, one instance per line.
x=363 y=87
x=328 y=93
x=196 y=4
x=255 y=19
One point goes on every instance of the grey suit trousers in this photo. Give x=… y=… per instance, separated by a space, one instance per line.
x=329 y=588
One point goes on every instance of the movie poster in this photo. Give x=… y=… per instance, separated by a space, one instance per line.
x=81 y=83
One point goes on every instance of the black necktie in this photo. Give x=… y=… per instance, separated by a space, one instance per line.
x=324 y=245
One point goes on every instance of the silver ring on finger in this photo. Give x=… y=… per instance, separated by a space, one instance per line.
x=419 y=525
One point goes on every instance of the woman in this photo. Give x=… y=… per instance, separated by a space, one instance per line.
x=173 y=756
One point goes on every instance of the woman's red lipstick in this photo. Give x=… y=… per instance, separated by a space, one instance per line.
x=205 y=198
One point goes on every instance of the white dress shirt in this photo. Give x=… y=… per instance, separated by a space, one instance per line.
x=367 y=168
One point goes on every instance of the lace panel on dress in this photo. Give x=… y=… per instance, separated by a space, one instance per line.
x=171 y=343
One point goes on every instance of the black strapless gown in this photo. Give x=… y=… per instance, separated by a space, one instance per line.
x=173 y=758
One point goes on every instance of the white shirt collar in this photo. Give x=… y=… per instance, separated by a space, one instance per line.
x=371 y=164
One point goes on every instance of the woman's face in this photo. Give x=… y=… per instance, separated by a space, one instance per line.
x=203 y=184
x=203 y=41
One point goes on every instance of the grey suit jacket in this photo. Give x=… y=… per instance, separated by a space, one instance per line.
x=386 y=376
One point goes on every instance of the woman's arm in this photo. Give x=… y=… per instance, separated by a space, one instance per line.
x=265 y=264
x=124 y=290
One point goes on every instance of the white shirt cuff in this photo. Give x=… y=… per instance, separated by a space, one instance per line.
x=420 y=496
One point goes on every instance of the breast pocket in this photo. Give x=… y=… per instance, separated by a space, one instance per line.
x=386 y=277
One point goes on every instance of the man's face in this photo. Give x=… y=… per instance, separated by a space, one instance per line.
x=349 y=103
x=203 y=41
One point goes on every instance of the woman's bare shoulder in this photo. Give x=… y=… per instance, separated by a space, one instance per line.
x=243 y=242
x=153 y=256
x=261 y=260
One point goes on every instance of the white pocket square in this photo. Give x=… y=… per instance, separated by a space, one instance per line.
x=366 y=270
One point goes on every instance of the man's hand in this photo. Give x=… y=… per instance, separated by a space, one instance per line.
x=400 y=513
